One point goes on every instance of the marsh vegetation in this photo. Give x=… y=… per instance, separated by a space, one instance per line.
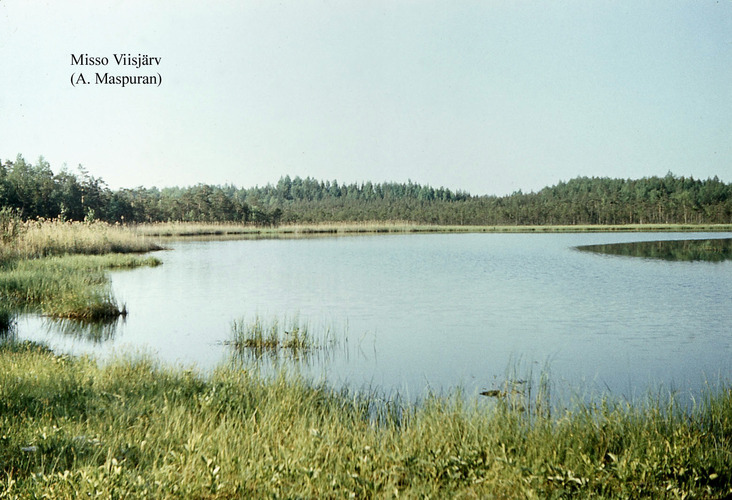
x=289 y=335
x=134 y=428
x=187 y=230
x=58 y=268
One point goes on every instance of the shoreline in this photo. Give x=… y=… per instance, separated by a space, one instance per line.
x=139 y=428
x=192 y=229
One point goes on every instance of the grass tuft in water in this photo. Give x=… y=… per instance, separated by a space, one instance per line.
x=272 y=335
x=289 y=335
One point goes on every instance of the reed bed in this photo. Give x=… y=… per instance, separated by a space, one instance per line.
x=188 y=229
x=136 y=429
x=44 y=237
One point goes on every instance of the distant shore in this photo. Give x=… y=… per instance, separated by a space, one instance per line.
x=192 y=229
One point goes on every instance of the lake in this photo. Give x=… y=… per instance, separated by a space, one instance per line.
x=436 y=310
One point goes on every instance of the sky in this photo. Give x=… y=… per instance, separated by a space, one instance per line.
x=483 y=96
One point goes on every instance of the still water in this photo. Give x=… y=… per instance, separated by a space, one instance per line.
x=437 y=310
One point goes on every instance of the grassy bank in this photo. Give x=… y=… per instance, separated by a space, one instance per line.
x=69 y=286
x=59 y=268
x=183 y=229
x=136 y=429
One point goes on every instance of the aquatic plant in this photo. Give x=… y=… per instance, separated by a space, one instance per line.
x=289 y=335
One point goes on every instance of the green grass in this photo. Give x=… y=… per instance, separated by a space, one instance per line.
x=59 y=268
x=134 y=429
x=71 y=286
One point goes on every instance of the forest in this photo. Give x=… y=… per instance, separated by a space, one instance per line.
x=35 y=191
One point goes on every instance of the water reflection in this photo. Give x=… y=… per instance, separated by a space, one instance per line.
x=91 y=331
x=8 y=323
x=712 y=250
x=276 y=359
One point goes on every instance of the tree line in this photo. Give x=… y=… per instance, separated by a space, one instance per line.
x=34 y=190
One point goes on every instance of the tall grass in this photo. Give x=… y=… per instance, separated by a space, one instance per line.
x=41 y=267
x=43 y=237
x=134 y=428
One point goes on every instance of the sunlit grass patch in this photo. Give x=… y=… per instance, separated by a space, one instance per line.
x=135 y=428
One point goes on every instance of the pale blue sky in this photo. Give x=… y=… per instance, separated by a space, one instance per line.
x=483 y=96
